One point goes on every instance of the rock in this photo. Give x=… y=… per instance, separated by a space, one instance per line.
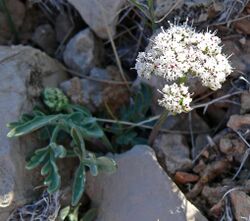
x=173 y=148
x=99 y=14
x=24 y=72
x=240 y=204
x=164 y=7
x=95 y=95
x=17 y=11
x=245 y=103
x=225 y=145
x=184 y=177
x=214 y=194
x=45 y=37
x=139 y=190
x=232 y=146
x=81 y=52
x=231 y=47
x=201 y=142
x=237 y=121
x=242 y=26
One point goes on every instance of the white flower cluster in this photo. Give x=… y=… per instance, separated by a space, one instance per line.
x=176 y=98
x=181 y=52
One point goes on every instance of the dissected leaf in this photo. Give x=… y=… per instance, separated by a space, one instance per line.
x=53 y=180
x=64 y=213
x=93 y=131
x=38 y=157
x=59 y=150
x=83 y=110
x=32 y=125
x=78 y=184
x=78 y=139
x=73 y=215
x=91 y=163
x=106 y=164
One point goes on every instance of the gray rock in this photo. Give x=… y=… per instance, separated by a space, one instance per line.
x=80 y=52
x=45 y=37
x=164 y=7
x=174 y=150
x=95 y=94
x=240 y=204
x=24 y=71
x=139 y=190
x=99 y=14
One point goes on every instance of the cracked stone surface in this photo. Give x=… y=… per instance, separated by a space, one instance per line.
x=23 y=73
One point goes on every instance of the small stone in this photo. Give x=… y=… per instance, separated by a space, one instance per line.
x=200 y=143
x=245 y=103
x=45 y=37
x=100 y=15
x=237 y=121
x=214 y=194
x=81 y=52
x=163 y=7
x=174 y=149
x=217 y=210
x=200 y=167
x=184 y=177
x=232 y=48
x=232 y=146
x=139 y=190
x=240 y=204
x=243 y=41
x=225 y=145
x=95 y=95
x=242 y=26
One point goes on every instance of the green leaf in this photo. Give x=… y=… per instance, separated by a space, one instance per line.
x=90 y=215
x=93 y=131
x=78 y=139
x=81 y=109
x=38 y=157
x=45 y=169
x=53 y=180
x=106 y=164
x=64 y=213
x=59 y=150
x=73 y=216
x=91 y=163
x=32 y=125
x=78 y=184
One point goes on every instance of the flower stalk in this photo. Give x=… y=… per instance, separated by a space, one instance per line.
x=158 y=125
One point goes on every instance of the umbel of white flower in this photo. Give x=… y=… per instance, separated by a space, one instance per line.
x=182 y=53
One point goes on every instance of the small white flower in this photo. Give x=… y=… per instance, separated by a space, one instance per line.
x=181 y=51
x=176 y=98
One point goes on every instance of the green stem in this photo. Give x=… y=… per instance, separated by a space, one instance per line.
x=157 y=127
x=55 y=134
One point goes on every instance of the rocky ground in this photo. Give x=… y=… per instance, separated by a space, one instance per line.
x=197 y=168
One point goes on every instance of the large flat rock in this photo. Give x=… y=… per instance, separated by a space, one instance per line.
x=24 y=72
x=139 y=190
